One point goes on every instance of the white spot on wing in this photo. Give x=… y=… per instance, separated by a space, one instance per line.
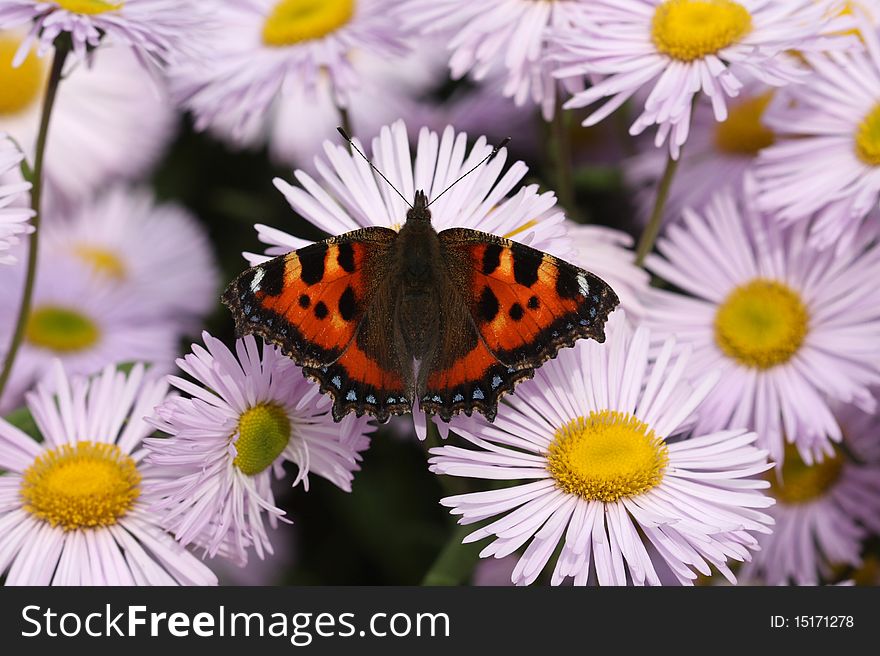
x=258 y=278
x=583 y=285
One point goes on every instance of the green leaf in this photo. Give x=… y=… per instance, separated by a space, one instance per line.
x=23 y=420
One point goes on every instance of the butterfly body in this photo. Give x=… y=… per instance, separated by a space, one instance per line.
x=450 y=321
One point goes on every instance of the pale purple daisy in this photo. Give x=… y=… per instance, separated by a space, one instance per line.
x=353 y=196
x=608 y=253
x=598 y=474
x=716 y=152
x=261 y=50
x=14 y=213
x=248 y=414
x=825 y=168
x=681 y=48
x=159 y=254
x=824 y=512
x=85 y=321
x=499 y=35
x=789 y=326
x=72 y=508
x=158 y=31
x=109 y=122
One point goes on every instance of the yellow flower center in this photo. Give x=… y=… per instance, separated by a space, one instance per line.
x=608 y=456
x=743 y=133
x=690 y=29
x=61 y=329
x=295 y=21
x=84 y=485
x=761 y=324
x=801 y=482
x=20 y=88
x=104 y=262
x=868 y=138
x=263 y=433
x=90 y=7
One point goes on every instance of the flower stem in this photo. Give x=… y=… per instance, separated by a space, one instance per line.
x=562 y=158
x=456 y=562
x=62 y=48
x=649 y=236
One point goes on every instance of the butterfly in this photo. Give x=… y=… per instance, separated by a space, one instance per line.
x=452 y=321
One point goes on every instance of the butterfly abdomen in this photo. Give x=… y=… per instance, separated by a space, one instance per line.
x=417 y=308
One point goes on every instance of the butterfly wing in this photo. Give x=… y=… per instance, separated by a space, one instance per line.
x=524 y=305
x=316 y=304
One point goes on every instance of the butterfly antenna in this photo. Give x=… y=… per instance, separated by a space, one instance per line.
x=485 y=159
x=372 y=166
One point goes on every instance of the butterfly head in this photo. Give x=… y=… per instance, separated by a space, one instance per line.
x=419 y=210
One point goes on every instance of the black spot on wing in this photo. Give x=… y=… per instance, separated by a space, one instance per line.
x=491 y=258
x=348 y=305
x=525 y=266
x=487 y=305
x=269 y=277
x=567 y=282
x=305 y=301
x=311 y=259
x=345 y=258
x=516 y=312
x=534 y=303
x=321 y=310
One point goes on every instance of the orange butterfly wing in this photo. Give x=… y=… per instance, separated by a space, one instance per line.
x=314 y=304
x=523 y=305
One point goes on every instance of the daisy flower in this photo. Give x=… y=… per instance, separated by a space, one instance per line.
x=14 y=215
x=109 y=121
x=494 y=35
x=301 y=119
x=158 y=31
x=680 y=48
x=823 y=512
x=825 y=168
x=608 y=253
x=597 y=474
x=789 y=326
x=353 y=196
x=248 y=413
x=84 y=321
x=158 y=254
x=716 y=151
x=72 y=508
x=261 y=50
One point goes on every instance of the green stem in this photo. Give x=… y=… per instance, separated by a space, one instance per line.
x=649 y=236
x=455 y=564
x=62 y=49
x=562 y=158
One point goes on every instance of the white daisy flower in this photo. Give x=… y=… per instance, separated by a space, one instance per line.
x=681 y=48
x=495 y=35
x=353 y=196
x=72 y=508
x=825 y=168
x=716 y=152
x=158 y=31
x=248 y=414
x=824 y=512
x=159 y=254
x=608 y=253
x=14 y=214
x=109 y=122
x=789 y=326
x=599 y=477
x=81 y=319
x=261 y=50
